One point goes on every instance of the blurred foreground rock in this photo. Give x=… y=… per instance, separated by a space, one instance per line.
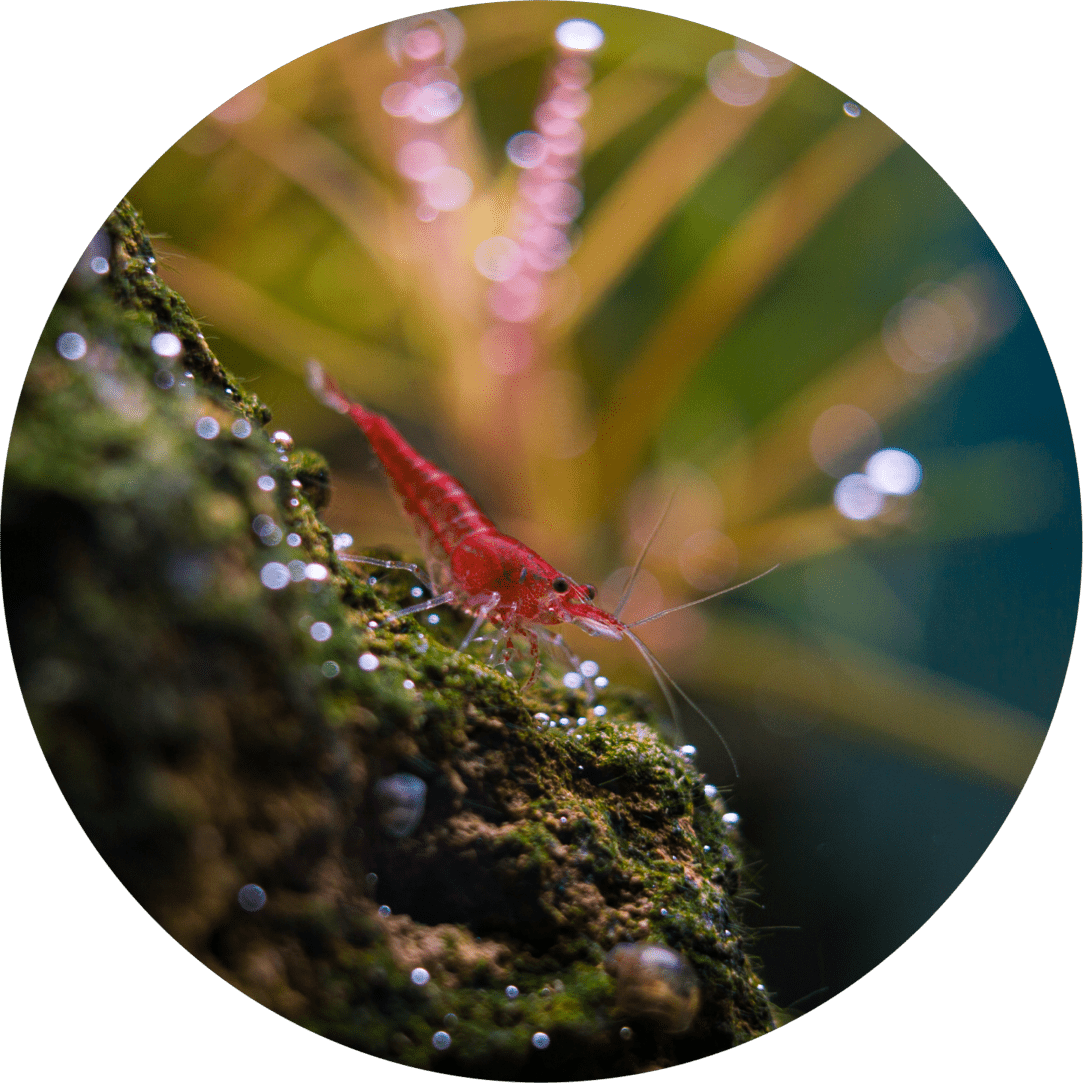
x=192 y=673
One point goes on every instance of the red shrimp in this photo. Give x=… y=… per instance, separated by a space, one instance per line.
x=482 y=571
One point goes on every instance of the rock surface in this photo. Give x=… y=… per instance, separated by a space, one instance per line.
x=192 y=671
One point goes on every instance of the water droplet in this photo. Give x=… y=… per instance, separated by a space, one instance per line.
x=706 y=849
x=565 y=721
x=564 y=819
x=208 y=427
x=599 y=711
x=384 y=911
x=589 y=669
x=626 y=1034
x=371 y=880
x=601 y=682
x=275 y=575
x=852 y=109
x=166 y=344
x=293 y=540
x=894 y=471
x=408 y=684
x=283 y=439
x=581 y=36
x=99 y=265
x=572 y=680
x=330 y=669
x=297 y=570
x=266 y=483
x=295 y=503
x=856 y=498
x=441 y=1039
x=419 y=975
x=241 y=428
x=368 y=662
x=540 y=1040
x=416 y=592
x=664 y=912
x=688 y=751
x=320 y=631
x=710 y=791
x=163 y=378
x=374 y=624
x=71 y=346
x=316 y=572
x=433 y=618
x=252 y=897
x=342 y=541
x=511 y=992
x=526 y=150
x=731 y=818
x=541 y=716
x=450 y=1019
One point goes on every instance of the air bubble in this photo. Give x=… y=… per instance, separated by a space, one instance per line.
x=99 y=265
x=573 y=680
x=852 y=109
x=320 y=631
x=540 y=1040
x=163 y=378
x=275 y=575
x=293 y=540
x=384 y=911
x=342 y=541
x=401 y=801
x=511 y=992
x=441 y=1039
x=266 y=483
x=368 y=662
x=601 y=682
x=581 y=36
x=166 y=344
x=252 y=898
x=71 y=346
x=408 y=684
x=731 y=818
x=241 y=428
x=433 y=618
x=599 y=711
x=330 y=669
x=589 y=669
x=419 y=975
x=208 y=428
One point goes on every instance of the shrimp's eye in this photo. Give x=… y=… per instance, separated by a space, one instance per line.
x=560 y=585
x=591 y=592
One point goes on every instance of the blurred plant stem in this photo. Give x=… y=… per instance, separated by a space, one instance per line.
x=735 y=274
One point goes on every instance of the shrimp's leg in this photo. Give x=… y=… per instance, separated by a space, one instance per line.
x=430 y=603
x=555 y=639
x=402 y=565
x=532 y=638
x=487 y=606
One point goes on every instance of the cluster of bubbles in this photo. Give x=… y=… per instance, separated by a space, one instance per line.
x=937 y=325
x=740 y=76
x=400 y=804
x=548 y=201
x=425 y=46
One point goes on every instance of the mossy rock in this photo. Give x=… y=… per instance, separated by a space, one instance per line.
x=192 y=671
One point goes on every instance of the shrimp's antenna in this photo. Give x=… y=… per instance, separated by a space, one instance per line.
x=657 y=668
x=698 y=601
x=643 y=556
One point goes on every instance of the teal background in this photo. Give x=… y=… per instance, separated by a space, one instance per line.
x=95 y=94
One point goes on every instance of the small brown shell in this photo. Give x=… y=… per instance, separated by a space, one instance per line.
x=655 y=984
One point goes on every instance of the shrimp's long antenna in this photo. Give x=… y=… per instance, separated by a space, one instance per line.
x=643 y=556
x=657 y=668
x=705 y=598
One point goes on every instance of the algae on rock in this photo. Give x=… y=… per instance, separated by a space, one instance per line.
x=165 y=571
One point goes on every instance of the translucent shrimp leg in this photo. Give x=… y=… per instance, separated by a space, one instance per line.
x=401 y=565
x=430 y=603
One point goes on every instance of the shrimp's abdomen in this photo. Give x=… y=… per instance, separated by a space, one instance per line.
x=435 y=502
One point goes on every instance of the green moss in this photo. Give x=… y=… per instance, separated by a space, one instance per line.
x=205 y=739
